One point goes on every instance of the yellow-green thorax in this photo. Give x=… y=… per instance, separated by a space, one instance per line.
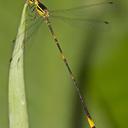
x=40 y=8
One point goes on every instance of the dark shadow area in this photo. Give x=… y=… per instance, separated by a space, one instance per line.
x=107 y=110
x=89 y=48
x=84 y=71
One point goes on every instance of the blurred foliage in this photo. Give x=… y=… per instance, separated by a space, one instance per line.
x=97 y=54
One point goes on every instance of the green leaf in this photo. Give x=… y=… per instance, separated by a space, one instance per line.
x=18 y=116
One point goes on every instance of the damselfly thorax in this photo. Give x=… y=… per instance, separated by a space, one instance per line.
x=40 y=8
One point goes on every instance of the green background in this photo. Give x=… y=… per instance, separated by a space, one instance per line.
x=97 y=54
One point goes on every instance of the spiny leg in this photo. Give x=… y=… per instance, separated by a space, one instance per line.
x=86 y=112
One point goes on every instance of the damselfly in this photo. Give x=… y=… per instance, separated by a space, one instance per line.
x=41 y=11
x=73 y=16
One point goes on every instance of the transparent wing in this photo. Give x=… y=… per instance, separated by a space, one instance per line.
x=32 y=23
x=79 y=8
x=32 y=28
x=79 y=15
x=78 y=20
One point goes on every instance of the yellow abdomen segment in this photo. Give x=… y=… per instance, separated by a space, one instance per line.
x=91 y=122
